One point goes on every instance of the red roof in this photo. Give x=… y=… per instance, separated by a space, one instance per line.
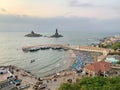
x=98 y=66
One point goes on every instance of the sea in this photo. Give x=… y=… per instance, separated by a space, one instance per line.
x=46 y=61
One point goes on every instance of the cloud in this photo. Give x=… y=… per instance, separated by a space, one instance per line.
x=3 y=10
x=27 y=23
x=78 y=3
x=103 y=4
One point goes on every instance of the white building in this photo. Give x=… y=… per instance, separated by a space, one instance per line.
x=3 y=71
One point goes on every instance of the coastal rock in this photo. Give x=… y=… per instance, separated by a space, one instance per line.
x=56 y=35
x=33 y=34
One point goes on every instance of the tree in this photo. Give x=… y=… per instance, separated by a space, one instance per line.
x=116 y=46
x=95 y=83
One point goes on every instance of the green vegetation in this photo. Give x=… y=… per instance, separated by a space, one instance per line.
x=118 y=62
x=114 y=53
x=105 y=46
x=96 y=83
x=114 y=46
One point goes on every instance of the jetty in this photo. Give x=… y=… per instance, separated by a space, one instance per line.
x=45 y=47
x=66 y=47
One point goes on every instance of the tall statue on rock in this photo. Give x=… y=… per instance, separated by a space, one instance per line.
x=56 y=35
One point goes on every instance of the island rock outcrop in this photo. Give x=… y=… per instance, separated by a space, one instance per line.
x=33 y=34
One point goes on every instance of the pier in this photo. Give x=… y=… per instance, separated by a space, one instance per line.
x=66 y=47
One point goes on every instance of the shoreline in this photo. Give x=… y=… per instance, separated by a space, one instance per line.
x=71 y=62
x=29 y=78
x=68 y=68
x=56 y=79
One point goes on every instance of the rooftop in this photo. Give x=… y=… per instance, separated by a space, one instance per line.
x=98 y=66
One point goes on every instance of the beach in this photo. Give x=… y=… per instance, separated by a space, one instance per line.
x=53 y=81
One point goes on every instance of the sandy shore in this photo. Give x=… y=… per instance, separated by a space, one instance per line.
x=69 y=63
x=52 y=81
x=26 y=77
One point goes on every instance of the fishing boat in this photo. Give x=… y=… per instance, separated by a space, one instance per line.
x=44 y=48
x=34 y=49
x=32 y=61
x=56 y=48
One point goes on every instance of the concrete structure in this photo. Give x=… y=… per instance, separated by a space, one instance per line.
x=110 y=40
x=97 y=68
x=101 y=58
x=4 y=74
x=91 y=49
x=112 y=59
x=67 y=46
x=5 y=84
x=3 y=71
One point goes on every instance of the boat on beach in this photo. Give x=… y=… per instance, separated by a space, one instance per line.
x=32 y=61
x=79 y=64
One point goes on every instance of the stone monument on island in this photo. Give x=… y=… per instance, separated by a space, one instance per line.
x=56 y=35
x=33 y=34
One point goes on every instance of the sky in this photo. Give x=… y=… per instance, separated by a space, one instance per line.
x=46 y=15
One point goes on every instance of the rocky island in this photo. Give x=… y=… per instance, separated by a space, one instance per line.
x=56 y=35
x=33 y=34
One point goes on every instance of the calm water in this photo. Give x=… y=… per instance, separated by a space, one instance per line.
x=48 y=61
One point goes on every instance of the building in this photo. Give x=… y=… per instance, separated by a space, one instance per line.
x=3 y=71
x=4 y=74
x=112 y=59
x=97 y=68
x=5 y=84
x=101 y=58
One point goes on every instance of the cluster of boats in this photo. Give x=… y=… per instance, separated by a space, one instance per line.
x=43 y=48
x=32 y=61
x=79 y=64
